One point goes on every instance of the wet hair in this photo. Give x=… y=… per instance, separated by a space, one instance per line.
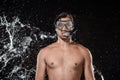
x=63 y=15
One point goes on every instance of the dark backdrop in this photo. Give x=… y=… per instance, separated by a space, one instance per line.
x=97 y=27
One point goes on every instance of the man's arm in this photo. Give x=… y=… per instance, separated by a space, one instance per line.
x=41 y=66
x=88 y=66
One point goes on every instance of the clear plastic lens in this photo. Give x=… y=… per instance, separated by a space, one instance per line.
x=62 y=24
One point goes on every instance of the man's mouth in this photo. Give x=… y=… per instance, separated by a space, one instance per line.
x=66 y=33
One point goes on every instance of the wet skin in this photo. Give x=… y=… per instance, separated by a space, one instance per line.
x=63 y=63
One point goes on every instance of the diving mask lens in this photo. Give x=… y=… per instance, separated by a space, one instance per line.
x=62 y=24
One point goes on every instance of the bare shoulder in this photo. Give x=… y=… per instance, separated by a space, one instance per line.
x=51 y=46
x=44 y=51
x=84 y=50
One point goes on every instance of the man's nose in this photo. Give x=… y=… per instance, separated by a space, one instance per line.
x=65 y=27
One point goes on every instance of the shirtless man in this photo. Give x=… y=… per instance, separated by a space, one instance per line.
x=64 y=59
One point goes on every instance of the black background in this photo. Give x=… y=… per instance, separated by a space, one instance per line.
x=97 y=25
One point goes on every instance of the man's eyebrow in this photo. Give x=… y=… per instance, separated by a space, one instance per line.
x=65 y=20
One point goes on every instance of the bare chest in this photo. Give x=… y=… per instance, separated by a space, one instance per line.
x=69 y=58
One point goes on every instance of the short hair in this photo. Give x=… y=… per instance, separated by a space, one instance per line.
x=63 y=15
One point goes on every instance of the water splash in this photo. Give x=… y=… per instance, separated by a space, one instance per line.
x=17 y=41
x=17 y=53
x=98 y=74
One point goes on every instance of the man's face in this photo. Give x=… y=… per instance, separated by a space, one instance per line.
x=63 y=27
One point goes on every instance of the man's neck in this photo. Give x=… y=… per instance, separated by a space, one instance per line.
x=64 y=43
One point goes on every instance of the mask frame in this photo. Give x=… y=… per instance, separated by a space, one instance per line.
x=67 y=24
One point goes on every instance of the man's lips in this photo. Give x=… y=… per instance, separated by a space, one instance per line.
x=66 y=33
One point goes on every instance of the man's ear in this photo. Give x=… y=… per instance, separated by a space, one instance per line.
x=56 y=29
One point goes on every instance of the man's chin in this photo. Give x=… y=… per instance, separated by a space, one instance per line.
x=64 y=37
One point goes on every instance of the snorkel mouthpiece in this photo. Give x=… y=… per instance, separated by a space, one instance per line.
x=67 y=34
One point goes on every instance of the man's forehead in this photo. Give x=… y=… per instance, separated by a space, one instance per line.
x=65 y=19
